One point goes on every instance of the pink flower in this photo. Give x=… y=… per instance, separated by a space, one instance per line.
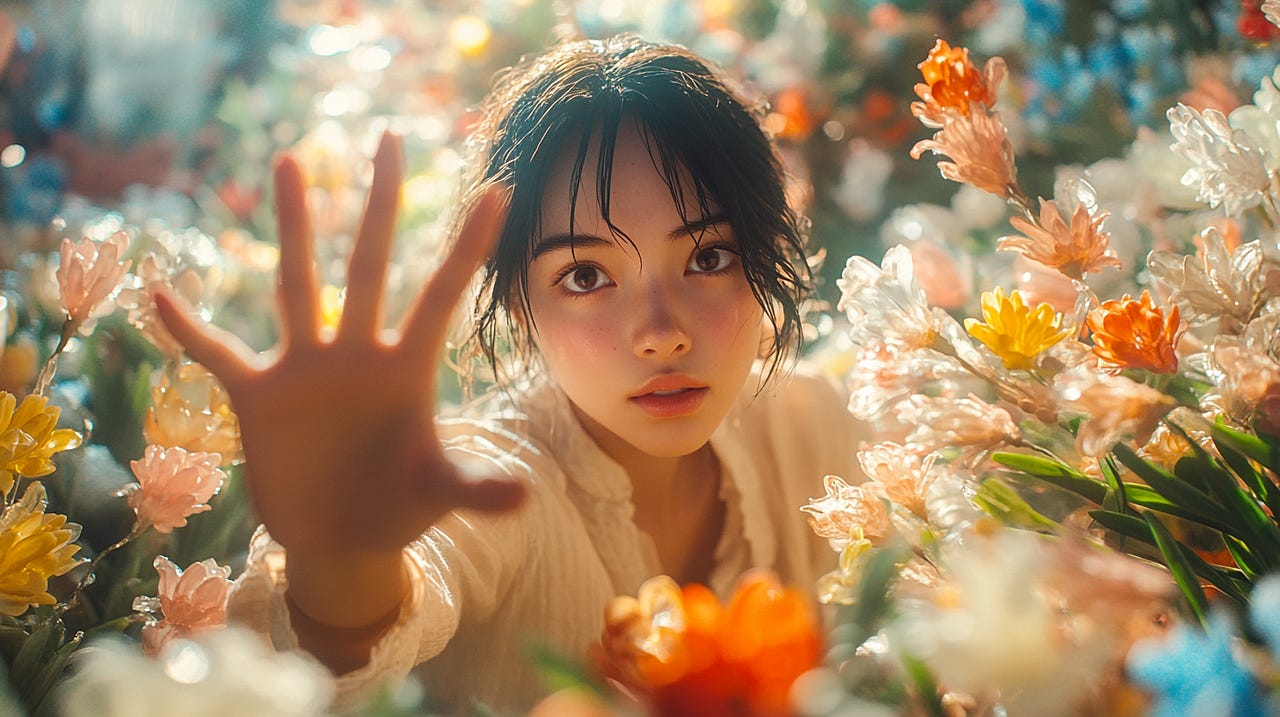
x=87 y=274
x=191 y=601
x=172 y=485
x=979 y=149
x=845 y=507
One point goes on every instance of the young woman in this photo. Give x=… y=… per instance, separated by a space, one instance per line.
x=642 y=264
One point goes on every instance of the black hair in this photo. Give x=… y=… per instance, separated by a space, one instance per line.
x=706 y=139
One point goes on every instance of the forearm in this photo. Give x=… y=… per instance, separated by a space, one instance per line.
x=341 y=605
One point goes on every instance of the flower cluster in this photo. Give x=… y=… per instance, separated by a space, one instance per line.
x=46 y=586
x=1089 y=426
x=683 y=653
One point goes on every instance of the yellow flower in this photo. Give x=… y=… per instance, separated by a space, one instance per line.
x=28 y=438
x=1014 y=331
x=34 y=546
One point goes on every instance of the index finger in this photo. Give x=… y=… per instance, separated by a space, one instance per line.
x=424 y=325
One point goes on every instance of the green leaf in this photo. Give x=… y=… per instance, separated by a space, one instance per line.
x=1262 y=486
x=1249 y=522
x=1200 y=507
x=925 y=686
x=1244 y=557
x=1115 y=499
x=1246 y=443
x=1183 y=574
x=35 y=653
x=1002 y=502
x=1232 y=583
x=53 y=670
x=1058 y=474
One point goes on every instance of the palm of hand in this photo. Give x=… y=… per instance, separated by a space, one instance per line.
x=338 y=432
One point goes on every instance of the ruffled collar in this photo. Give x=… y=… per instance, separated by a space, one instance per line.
x=602 y=492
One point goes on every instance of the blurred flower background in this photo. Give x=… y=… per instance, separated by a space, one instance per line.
x=136 y=138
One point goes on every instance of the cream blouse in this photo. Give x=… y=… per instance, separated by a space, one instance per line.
x=484 y=587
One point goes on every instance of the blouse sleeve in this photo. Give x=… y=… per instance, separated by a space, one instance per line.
x=465 y=563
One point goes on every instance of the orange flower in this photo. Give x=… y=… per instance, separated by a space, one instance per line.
x=685 y=654
x=979 y=150
x=1074 y=250
x=953 y=82
x=1135 y=333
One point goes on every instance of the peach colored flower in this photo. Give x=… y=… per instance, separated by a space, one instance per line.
x=980 y=153
x=845 y=507
x=1040 y=284
x=87 y=274
x=1135 y=334
x=154 y=272
x=34 y=546
x=173 y=484
x=953 y=82
x=191 y=601
x=1250 y=382
x=1113 y=407
x=191 y=410
x=965 y=423
x=939 y=274
x=1075 y=250
x=684 y=653
x=29 y=438
x=901 y=475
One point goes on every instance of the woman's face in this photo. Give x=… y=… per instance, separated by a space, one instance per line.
x=651 y=343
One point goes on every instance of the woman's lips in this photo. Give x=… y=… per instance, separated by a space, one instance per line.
x=682 y=402
x=670 y=402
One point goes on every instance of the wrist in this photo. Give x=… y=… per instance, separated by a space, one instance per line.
x=356 y=590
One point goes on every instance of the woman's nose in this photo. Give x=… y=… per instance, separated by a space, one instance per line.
x=659 y=331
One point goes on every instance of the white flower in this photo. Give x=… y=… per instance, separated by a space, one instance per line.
x=1259 y=119
x=226 y=672
x=1227 y=167
x=886 y=303
x=966 y=423
x=1271 y=8
x=989 y=632
x=154 y=272
x=1223 y=284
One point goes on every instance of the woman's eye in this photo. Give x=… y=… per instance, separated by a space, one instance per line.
x=584 y=278
x=711 y=259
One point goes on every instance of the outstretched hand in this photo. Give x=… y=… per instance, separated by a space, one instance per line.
x=342 y=459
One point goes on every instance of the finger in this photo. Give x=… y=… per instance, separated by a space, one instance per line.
x=424 y=326
x=367 y=270
x=219 y=351
x=299 y=304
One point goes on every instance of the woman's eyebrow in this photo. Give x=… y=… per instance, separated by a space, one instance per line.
x=698 y=225
x=568 y=241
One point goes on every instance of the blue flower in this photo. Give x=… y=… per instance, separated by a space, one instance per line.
x=1196 y=673
x=1264 y=611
